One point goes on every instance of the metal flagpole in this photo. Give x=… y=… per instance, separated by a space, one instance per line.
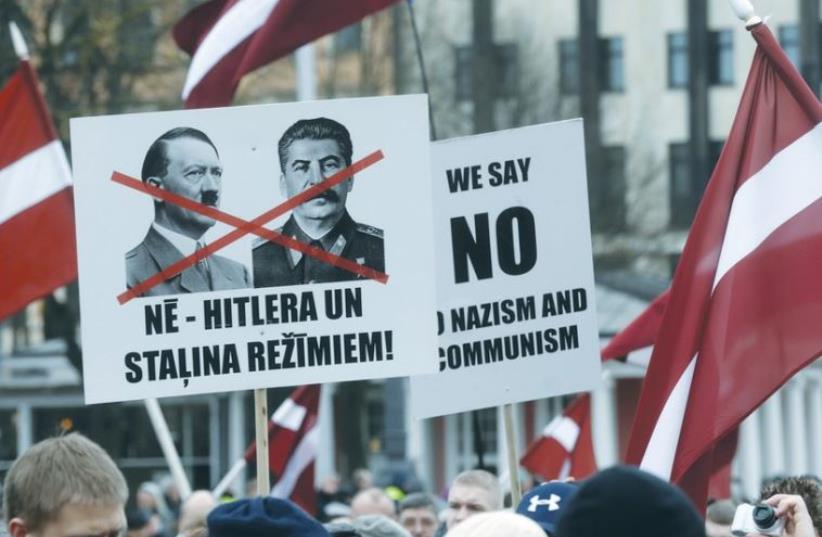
x=306 y=78
x=421 y=61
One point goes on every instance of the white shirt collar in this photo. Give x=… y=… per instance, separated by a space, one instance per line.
x=186 y=245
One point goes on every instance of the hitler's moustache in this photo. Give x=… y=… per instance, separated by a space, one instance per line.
x=210 y=197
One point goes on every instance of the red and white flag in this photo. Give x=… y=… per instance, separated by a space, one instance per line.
x=229 y=38
x=746 y=300
x=293 y=437
x=639 y=334
x=565 y=448
x=36 y=203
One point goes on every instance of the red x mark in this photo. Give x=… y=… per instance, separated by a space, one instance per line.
x=254 y=226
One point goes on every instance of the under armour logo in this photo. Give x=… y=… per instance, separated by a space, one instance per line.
x=552 y=503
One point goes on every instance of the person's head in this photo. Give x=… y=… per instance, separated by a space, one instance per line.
x=378 y=526
x=498 y=524
x=809 y=487
x=418 y=514
x=311 y=150
x=362 y=479
x=627 y=501
x=139 y=523
x=372 y=501
x=472 y=492
x=185 y=162
x=194 y=512
x=718 y=518
x=262 y=517
x=544 y=504
x=65 y=486
x=150 y=497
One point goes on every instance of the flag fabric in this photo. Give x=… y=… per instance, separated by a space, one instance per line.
x=640 y=333
x=293 y=437
x=565 y=448
x=36 y=203
x=229 y=38
x=746 y=300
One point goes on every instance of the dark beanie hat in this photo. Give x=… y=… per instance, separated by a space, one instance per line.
x=262 y=517
x=627 y=501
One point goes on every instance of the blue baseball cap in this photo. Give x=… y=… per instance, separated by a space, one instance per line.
x=262 y=517
x=545 y=503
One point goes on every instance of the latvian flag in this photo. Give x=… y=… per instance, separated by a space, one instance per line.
x=293 y=437
x=565 y=448
x=36 y=204
x=229 y=38
x=745 y=309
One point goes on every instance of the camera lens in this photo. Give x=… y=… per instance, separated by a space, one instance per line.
x=764 y=516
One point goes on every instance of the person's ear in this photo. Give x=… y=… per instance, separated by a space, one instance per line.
x=17 y=527
x=155 y=182
x=283 y=190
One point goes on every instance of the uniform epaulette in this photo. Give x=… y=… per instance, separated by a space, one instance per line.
x=131 y=253
x=259 y=241
x=369 y=230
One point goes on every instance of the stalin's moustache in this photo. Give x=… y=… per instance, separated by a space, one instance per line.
x=328 y=195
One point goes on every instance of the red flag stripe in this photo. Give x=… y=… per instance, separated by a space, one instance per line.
x=39 y=252
x=677 y=429
x=783 y=187
x=754 y=313
x=22 y=105
x=236 y=25
x=33 y=178
x=235 y=38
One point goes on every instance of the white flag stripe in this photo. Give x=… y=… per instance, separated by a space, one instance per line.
x=768 y=199
x=565 y=431
x=661 y=450
x=240 y=21
x=303 y=455
x=565 y=471
x=33 y=178
x=289 y=415
x=785 y=186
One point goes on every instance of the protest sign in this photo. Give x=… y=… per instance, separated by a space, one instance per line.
x=252 y=247
x=515 y=283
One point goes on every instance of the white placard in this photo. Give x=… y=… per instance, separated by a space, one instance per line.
x=515 y=281
x=209 y=328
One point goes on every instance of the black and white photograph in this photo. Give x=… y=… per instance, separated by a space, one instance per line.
x=184 y=161
x=310 y=151
x=254 y=246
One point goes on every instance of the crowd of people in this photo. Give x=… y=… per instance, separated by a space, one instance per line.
x=70 y=487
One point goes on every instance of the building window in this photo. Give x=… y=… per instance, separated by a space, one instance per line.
x=721 y=57
x=789 y=39
x=685 y=189
x=612 y=64
x=349 y=39
x=678 y=60
x=505 y=79
x=568 y=66
x=608 y=192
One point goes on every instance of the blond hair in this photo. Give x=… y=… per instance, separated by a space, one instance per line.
x=497 y=524
x=59 y=471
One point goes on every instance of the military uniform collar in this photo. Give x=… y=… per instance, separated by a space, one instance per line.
x=333 y=242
